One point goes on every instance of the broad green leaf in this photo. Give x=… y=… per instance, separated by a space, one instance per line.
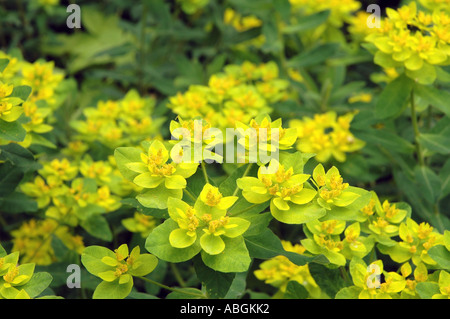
x=157 y=213
x=19 y=156
x=426 y=290
x=125 y=155
x=435 y=143
x=441 y=255
x=10 y=177
x=12 y=131
x=17 y=203
x=348 y=293
x=92 y=259
x=314 y=56
x=97 y=226
x=298 y=214
x=429 y=182
x=113 y=290
x=158 y=244
x=328 y=279
x=267 y=245
x=308 y=22
x=217 y=283
x=386 y=139
x=234 y=258
x=146 y=263
x=437 y=98
x=22 y=92
x=37 y=284
x=393 y=97
x=238 y=286
x=294 y=290
x=157 y=197
x=3 y=64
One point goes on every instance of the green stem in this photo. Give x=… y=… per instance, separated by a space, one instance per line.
x=416 y=130
x=345 y=275
x=247 y=170
x=245 y=209
x=205 y=174
x=187 y=192
x=177 y=275
x=170 y=288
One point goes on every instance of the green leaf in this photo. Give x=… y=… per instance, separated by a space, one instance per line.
x=435 y=143
x=294 y=290
x=234 y=258
x=387 y=139
x=157 y=197
x=97 y=226
x=158 y=244
x=186 y=293
x=308 y=22
x=10 y=177
x=217 y=283
x=92 y=259
x=2 y=251
x=37 y=284
x=441 y=255
x=22 y=92
x=267 y=245
x=298 y=214
x=393 y=97
x=12 y=131
x=348 y=293
x=125 y=155
x=437 y=98
x=329 y=280
x=238 y=286
x=426 y=290
x=19 y=156
x=113 y=290
x=314 y=56
x=3 y=64
x=17 y=203
x=430 y=183
x=157 y=213
x=147 y=263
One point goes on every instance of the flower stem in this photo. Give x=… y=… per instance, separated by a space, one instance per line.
x=416 y=130
x=187 y=192
x=170 y=288
x=247 y=170
x=205 y=174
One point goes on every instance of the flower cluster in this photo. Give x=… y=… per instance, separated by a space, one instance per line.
x=34 y=241
x=31 y=91
x=326 y=135
x=413 y=40
x=239 y=93
x=19 y=280
x=117 y=123
x=279 y=271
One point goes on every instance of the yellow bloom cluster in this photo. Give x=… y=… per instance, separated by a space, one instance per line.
x=116 y=123
x=278 y=271
x=67 y=190
x=33 y=239
x=140 y=223
x=240 y=23
x=327 y=135
x=239 y=93
x=340 y=10
x=44 y=81
x=415 y=40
